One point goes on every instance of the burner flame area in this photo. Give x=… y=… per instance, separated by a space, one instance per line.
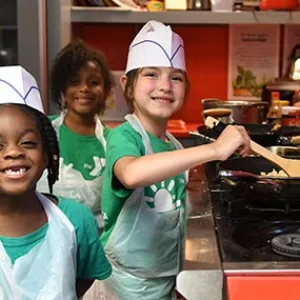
x=287 y=245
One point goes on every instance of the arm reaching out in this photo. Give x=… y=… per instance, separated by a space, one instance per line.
x=134 y=172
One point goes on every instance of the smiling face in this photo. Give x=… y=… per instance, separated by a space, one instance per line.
x=159 y=92
x=84 y=94
x=22 y=159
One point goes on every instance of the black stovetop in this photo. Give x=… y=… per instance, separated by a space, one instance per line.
x=246 y=227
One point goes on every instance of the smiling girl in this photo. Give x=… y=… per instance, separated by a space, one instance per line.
x=144 y=188
x=80 y=84
x=49 y=246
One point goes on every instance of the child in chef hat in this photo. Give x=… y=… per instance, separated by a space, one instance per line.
x=80 y=83
x=53 y=250
x=144 y=188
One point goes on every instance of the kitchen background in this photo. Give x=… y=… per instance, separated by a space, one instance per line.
x=205 y=33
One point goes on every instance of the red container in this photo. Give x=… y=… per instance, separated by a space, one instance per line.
x=279 y=4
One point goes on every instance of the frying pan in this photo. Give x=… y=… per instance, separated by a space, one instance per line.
x=290 y=166
x=263 y=134
x=242 y=176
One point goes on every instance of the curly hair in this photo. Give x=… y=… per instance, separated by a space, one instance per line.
x=68 y=63
x=49 y=141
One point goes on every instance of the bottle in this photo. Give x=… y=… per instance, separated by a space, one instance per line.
x=275 y=113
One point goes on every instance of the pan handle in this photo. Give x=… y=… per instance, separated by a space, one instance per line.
x=246 y=176
x=295 y=140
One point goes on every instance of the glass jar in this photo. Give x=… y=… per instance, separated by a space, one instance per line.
x=155 y=5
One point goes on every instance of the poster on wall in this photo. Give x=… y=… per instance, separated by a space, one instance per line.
x=116 y=106
x=253 y=59
x=291 y=42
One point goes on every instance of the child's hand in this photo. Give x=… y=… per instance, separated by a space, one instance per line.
x=232 y=139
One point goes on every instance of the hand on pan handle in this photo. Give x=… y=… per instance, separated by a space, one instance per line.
x=233 y=139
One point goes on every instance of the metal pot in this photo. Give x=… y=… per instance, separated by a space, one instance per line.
x=222 y=114
x=242 y=111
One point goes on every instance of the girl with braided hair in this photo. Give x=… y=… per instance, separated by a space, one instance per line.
x=80 y=85
x=49 y=246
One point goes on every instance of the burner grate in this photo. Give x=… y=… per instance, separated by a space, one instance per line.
x=237 y=206
x=287 y=245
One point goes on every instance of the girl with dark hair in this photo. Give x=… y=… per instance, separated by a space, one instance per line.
x=49 y=246
x=80 y=84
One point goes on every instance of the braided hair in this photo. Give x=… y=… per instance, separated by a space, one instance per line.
x=68 y=63
x=49 y=141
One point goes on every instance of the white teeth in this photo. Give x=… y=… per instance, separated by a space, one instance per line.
x=15 y=172
x=162 y=100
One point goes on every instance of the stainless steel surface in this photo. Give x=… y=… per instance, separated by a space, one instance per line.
x=201 y=250
x=286 y=151
x=201 y=284
x=222 y=114
x=58 y=33
x=262 y=268
x=32 y=52
x=201 y=277
x=202 y=136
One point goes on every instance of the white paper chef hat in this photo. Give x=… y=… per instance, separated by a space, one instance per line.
x=19 y=86
x=156 y=45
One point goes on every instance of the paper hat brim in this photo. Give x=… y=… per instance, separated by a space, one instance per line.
x=19 y=86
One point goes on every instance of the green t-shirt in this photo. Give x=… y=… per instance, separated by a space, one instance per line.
x=91 y=259
x=125 y=141
x=85 y=152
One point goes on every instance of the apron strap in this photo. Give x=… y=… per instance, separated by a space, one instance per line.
x=137 y=125
x=99 y=129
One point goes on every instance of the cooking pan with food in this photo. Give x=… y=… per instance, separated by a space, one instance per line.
x=263 y=134
x=244 y=178
x=290 y=166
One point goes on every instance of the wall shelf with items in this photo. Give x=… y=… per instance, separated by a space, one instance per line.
x=107 y=15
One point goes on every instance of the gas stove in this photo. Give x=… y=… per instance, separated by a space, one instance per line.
x=254 y=230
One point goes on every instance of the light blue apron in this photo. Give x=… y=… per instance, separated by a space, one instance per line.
x=48 y=271
x=71 y=183
x=145 y=247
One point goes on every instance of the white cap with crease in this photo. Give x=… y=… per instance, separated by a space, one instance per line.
x=156 y=45
x=19 y=86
